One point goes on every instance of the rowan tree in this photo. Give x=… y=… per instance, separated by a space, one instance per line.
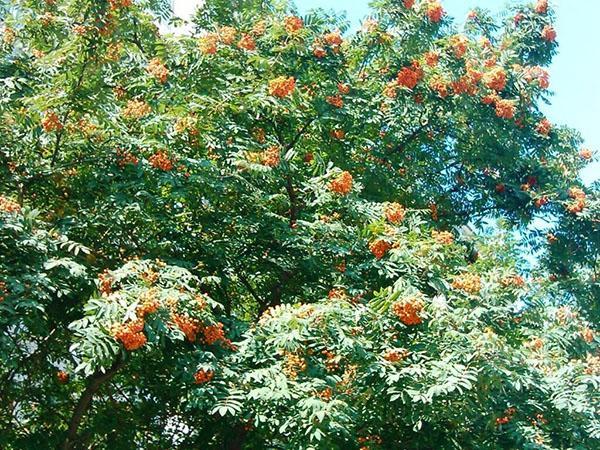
x=275 y=232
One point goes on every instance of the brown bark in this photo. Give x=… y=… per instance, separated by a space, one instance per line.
x=293 y=201
x=94 y=384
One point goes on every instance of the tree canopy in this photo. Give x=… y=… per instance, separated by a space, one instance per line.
x=273 y=232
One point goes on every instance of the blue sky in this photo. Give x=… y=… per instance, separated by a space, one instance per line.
x=575 y=72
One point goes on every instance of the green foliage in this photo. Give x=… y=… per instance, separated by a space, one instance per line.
x=270 y=233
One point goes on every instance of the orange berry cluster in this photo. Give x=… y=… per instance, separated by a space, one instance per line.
x=105 y=282
x=119 y=92
x=333 y=39
x=51 y=122
x=467 y=282
x=136 y=109
x=214 y=333
x=394 y=212
x=293 y=364
x=465 y=85
x=379 y=248
x=442 y=237
x=247 y=42
x=319 y=51
x=505 y=109
x=576 y=193
x=190 y=327
x=495 y=79
x=331 y=363
x=293 y=24
x=208 y=44
x=579 y=203
x=147 y=307
x=432 y=58
x=338 y=134
x=259 y=135
x=149 y=303
x=373 y=439
x=343 y=88
x=459 y=44
x=395 y=355
x=541 y=201
x=338 y=294
x=439 y=85
x=586 y=153
x=158 y=70
x=9 y=35
x=537 y=74
x=544 y=127
x=326 y=394
x=541 y=7
x=435 y=11
x=118 y=4
x=513 y=280
x=407 y=310
x=131 y=334
x=549 y=33
x=160 y=160
x=84 y=127
x=576 y=207
x=592 y=365
x=348 y=378
x=201 y=301
x=588 y=335
x=434 y=212
x=203 y=376
x=335 y=100
x=539 y=420
x=3 y=291
x=271 y=157
x=282 y=86
x=227 y=35
x=508 y=415
x=342 y=184
x=9 y=206
x=124 y=158
x=149 y=276
x=408 y=77
x=80 y=30
x=113 y=51
x=536 y=343
x=62 y=377
x=107 y=24
x=391 y=89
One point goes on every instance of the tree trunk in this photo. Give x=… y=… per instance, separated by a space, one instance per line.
x=94 y=383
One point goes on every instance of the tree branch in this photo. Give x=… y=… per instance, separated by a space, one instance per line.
x=249 y=287
x=293 y=201
x=277 y=291
x=94 y=384
x=60 y=133
x=299 y=134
